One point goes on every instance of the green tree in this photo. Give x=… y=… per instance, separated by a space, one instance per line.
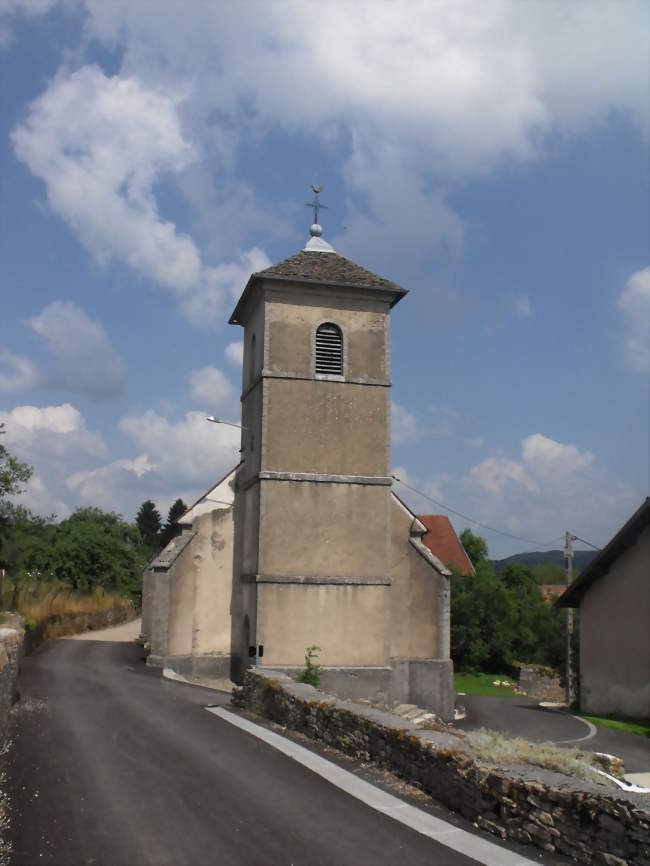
x=96 y=548
x=25 y=547
x=548 y=572
x=13 y=474
x=482 y=620
x=497 y=620
x=475 y=546
x=171 y=528
x=149 y=523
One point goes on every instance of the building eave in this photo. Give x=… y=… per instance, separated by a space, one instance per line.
x=600 y=565
x=392 y=295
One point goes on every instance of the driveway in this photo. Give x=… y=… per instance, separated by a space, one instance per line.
x=523 y=717
x=112 y=765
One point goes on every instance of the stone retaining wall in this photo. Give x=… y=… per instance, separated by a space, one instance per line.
x=541 y=683
x=12 y=635
x=585 y=821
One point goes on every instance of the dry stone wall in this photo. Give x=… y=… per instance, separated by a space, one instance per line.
x=583 y=821
x=12 y=635
x=541 y=683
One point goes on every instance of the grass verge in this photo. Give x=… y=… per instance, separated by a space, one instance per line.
x=498 y=748
x=52 y=609
x=619 y=723
x=483 y=684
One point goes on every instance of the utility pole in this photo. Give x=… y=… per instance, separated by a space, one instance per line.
x=568 y=570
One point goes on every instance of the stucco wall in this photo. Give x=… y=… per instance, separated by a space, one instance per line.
x=327 y=427
x=348 y=623
x=147 y=597
x=159 y=622
x=334 y=530
x=292 y=319
x=212 y=557
x=615 y=636
x=419 y=611
x=201 y=588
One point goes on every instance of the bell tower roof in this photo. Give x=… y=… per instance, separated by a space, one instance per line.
x=322 y=268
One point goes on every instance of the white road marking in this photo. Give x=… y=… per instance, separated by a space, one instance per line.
x=480 y=849
x=626 y=784
x=593 y=730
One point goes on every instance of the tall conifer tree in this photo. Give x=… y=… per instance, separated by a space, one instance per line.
x=149 y=524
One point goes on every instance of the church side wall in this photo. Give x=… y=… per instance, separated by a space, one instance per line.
x=292 y=322
x=614 y=644
x=147 y=599
x=212 y=561
x=418 y=617
x=181 y=603
x=201 y=582
x=326 y=427
x=347 y=622
x=320 y=528
x=159 y=617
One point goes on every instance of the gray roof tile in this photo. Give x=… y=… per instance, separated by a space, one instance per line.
x=319 y=267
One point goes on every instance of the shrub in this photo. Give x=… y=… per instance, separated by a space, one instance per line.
x=311 y=673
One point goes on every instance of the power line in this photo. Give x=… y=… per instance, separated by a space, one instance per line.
x=577 y=538
x=477 y=522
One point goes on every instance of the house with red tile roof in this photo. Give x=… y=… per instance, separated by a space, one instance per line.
x=442 y=541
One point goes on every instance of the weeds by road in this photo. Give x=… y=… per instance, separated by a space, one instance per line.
x=619 y=723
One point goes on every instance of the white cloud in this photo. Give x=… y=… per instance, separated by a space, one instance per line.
x=19 y=373
x=634 y=303
x=211 y=389
x=403 y=424
x=460 y=85
x=55 y=440
x=495 y=474
x=105 y=486
x=546 y=454
x=100 y=144
x=415 y=97
x=56 y=429
x=418 y=501
x=174 y=458
x=207 y=303
x=550 y=487
x=234 y=353
x=40 y=499
x=187 y=452
x=85 y=361
x=27 y=8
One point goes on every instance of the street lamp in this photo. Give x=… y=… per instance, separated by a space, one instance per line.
x=228 y=423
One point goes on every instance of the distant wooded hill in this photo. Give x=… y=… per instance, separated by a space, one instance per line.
x=548 y=564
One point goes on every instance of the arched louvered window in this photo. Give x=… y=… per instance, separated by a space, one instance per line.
x=329 y=350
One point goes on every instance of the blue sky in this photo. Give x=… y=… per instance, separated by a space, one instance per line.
x=488 y=157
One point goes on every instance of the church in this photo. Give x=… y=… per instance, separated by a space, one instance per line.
x=305 y=542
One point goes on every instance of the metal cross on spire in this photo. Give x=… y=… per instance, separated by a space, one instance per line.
x=315 y=204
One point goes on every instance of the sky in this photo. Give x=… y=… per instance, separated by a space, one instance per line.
x=489 y=157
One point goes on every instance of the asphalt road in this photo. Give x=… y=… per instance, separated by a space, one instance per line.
x=113 y=765
x=523 y=717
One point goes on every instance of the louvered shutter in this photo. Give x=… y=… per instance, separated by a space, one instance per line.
x=329 y=350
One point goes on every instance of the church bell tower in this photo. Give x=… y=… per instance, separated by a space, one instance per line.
x=313 y=509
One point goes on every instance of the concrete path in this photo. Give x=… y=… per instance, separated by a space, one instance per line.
x=523 y=717
x=125 y=633
x=112 y=765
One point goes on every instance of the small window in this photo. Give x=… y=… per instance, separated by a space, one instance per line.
x=329 y=350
